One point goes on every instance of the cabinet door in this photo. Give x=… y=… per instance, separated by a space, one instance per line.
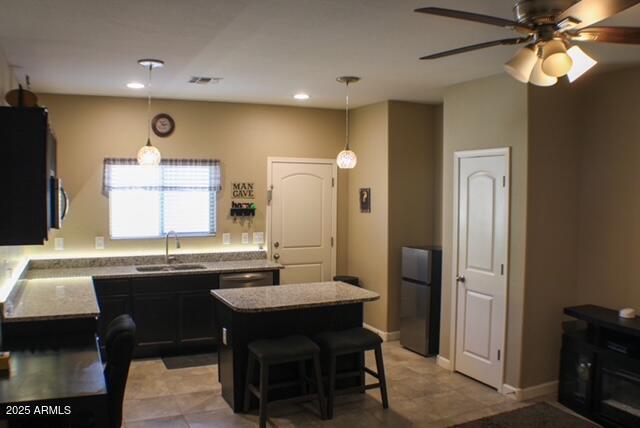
x=196 y=318
x=156 y=320
x=110 y=308
x=576 y=374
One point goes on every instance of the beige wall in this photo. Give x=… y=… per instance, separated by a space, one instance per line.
x=438 y=148
x=240 y=135
x=413 y=131
x=552 y=228
x=609 y=238
x=488 y=113
x=368 y=232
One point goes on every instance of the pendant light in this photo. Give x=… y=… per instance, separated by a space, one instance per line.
x=347 y=159
x=148 y=154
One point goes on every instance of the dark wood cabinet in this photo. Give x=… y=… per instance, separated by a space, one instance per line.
x=28 y=170
x=196 y=321
x=173 y=313
x=157 y=323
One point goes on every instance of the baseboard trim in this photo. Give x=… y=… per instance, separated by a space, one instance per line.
x=387 y=336
x=443 y=362
x=531 y=392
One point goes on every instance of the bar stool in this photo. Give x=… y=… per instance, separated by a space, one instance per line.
x=289 y=349
x=355 y=340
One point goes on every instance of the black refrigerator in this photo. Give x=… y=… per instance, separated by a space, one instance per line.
x=420 y=291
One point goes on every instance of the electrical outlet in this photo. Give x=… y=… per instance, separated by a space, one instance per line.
x=245 y=238
x=99 y=242
x=58 y=244
x=258 y=237
x=226 y=238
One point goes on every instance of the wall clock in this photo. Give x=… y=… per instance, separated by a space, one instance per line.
x=163 y=125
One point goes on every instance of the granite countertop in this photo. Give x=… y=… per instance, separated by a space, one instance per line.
x=129 y=271
x=293 y=296
x=53 y=298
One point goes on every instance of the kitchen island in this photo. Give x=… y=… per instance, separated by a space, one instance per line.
x=248 y=314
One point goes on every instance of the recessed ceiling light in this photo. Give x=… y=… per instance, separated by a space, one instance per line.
x=135 y=85
x=301 y=96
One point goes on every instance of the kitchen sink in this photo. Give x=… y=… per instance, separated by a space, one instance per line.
x=169 y=268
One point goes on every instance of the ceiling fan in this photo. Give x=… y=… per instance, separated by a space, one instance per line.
x=547 y=28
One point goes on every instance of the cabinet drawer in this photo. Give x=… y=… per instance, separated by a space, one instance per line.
x=174 y=283
x=110 y=287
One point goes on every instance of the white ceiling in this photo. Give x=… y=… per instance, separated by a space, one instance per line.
x=266 y=50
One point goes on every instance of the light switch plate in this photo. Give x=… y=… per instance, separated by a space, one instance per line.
x=99 y=242
x=58 y=244
x=258 y=237
x=226 y=238
x=245 y=238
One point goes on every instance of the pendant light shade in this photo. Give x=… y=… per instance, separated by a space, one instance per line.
x=521 y=65
x=149 y=155
x=556 y=62
x=539 y=77
x=347 y=159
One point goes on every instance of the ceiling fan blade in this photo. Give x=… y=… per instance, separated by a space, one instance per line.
x=475 y=17
x=514 y=41
x=623 y=35
x=588 y=12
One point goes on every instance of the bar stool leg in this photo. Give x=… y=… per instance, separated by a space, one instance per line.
x=332 y=385
x=302 y=376
x=251 y=364
x=381 y=377
x=318 y=373
x=264 y=393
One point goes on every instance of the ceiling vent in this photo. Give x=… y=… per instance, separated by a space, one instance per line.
x=203 y=80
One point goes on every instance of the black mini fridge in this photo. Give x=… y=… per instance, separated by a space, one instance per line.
x=420 y=290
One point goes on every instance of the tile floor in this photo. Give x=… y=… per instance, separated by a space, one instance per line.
x=421 y=394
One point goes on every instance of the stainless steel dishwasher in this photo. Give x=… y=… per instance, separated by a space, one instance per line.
x=245 y=279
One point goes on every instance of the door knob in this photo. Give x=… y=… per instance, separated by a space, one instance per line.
x=276 y=256
x=461 y=278
x=276 y=244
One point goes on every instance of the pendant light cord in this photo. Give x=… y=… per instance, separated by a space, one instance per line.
x=149 y=106
x=347 y=117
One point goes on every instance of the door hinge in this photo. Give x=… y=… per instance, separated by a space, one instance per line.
x=504 y=181
x=333 y=182
x=332 y=241
x=501 y=269
x=498 y=355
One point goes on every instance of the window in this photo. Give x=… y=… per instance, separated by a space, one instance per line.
x=149 y=201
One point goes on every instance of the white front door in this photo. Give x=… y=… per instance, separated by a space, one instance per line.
x=302 y=218
x=481 y=284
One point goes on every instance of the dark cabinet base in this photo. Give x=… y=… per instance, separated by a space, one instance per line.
x=174 y=314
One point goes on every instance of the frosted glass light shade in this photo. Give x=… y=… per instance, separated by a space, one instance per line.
x=581 y=63
x=149 y=155
x=346 y=159
x=521 y=65
x=539 y=77
x=556 y=61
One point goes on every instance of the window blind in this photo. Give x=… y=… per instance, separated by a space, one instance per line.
x=149 y=201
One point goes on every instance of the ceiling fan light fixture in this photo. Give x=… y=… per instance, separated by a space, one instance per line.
x=539 y=77
x=522 y=63
x=581 y=63
x=556 y=62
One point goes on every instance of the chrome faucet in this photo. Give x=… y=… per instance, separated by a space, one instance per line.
x=168 y=259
